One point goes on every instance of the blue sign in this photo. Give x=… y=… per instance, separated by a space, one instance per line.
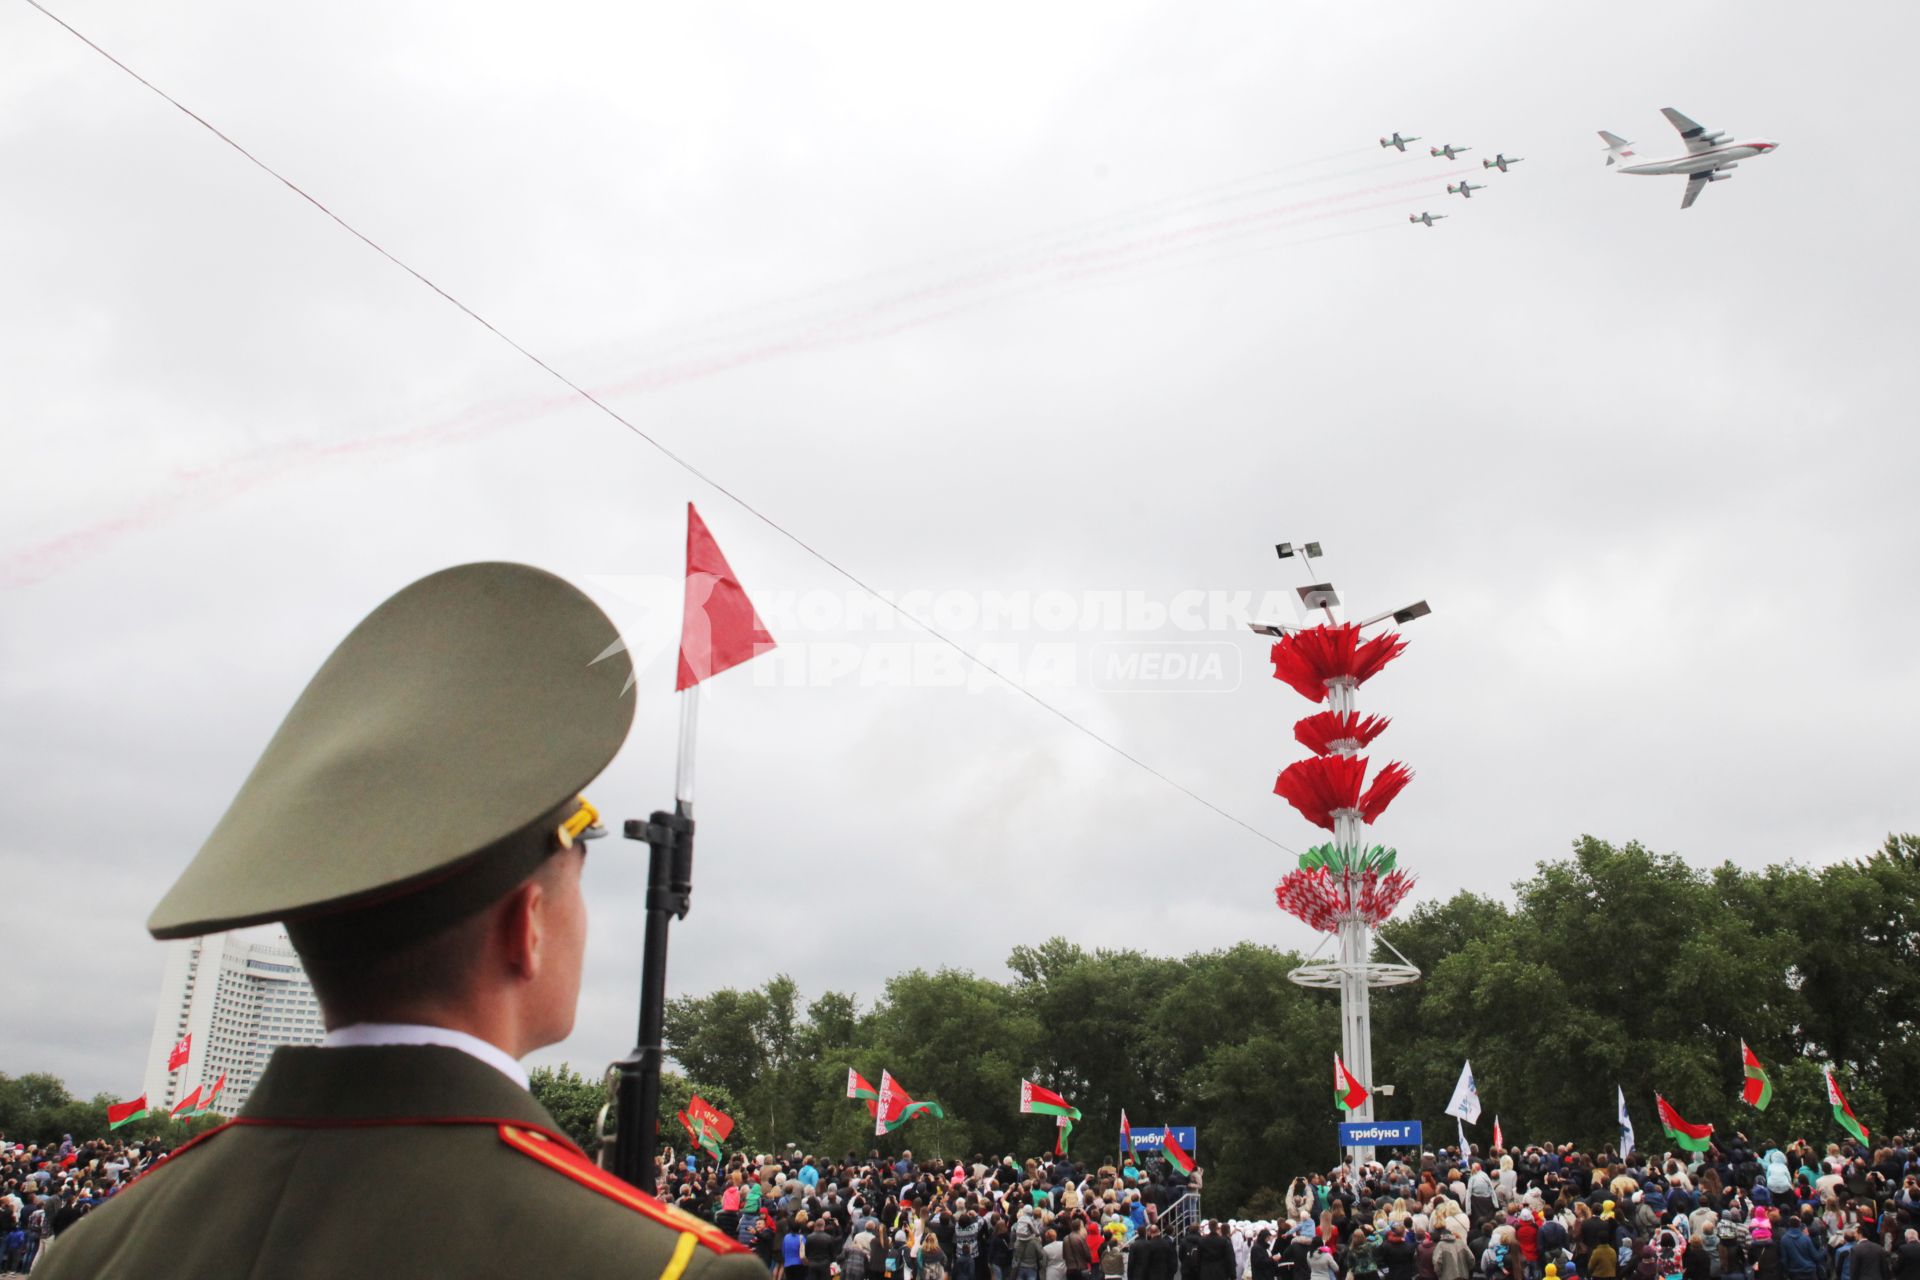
x=1149 y=1141
x=1380 y=1133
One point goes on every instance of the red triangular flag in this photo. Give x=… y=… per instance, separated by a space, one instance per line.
x=718 y=628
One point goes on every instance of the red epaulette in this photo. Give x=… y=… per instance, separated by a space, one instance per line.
x=564 y=1159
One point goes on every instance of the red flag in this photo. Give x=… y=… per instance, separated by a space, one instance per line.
x=718 y=1122
x=1497 y=1141
x=178 y=1058
x=1348 y=1092
x=718 y=628
x=187 y=1104
x=206 y=1103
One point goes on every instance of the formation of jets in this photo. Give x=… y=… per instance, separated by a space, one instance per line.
x=1710 y=156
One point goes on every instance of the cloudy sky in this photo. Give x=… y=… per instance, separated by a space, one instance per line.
x=1046 y=301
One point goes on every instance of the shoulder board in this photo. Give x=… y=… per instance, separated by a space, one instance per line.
x=565 y=1160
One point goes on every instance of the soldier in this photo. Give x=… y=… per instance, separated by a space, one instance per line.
x=417 y=823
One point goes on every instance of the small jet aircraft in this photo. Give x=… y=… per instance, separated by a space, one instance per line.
x=1428 y=218
x=1708 y=159
x=1449 y=150
x=1465 y=189
x=1500 y=162
x=1397 y=141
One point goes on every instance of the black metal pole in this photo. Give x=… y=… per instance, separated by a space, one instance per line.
x=669 y=837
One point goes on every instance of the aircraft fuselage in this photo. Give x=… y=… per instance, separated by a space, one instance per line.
x=1712 y=158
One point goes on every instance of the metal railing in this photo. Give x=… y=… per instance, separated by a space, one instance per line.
x=1182 y=1215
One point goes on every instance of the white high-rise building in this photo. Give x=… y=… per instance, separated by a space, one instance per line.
x=239 y=998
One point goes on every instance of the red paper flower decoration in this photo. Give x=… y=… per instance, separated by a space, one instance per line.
x=1319 y=899
x=1319 y=785
x=1323 y=733
x=1387 y=784
x=1308 y=659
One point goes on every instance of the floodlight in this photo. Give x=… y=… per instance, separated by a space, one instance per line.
x=1320 y=595
x=1418 y=609
x=1313 y=550
x=1274 y=629
x=1385 y=1090
x=1284 y=550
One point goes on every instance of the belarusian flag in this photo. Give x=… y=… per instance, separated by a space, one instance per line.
x=857 y=1087
x=894 y=1108
x=1178 y=1158
x=187 y=1104
x=1034 y=1098
x=1694 y=1137
x=1758 y=1090
x=1842 y=1113
x=1497 y=1143
x=1348 y=1093
x=206 y=1103
x=127 y=1112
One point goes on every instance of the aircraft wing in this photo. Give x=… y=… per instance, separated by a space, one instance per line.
x=1696 y=183
x=1693 y=134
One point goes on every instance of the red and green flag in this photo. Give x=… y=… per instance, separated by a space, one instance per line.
x=127 y=1112
x=206 y=1102
x=1035 y=1099
x=1842 y=1113
x=1348 y=1093
x=1758 y=1090
x=187 y=1104
x=1176 y=1155
x=1694 y=1137
x=857 y=1087
x=894 y=1108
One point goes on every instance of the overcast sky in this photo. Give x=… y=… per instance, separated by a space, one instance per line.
x=1016 y=299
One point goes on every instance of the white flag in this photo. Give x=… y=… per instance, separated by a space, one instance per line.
x=1466 y=1098
x=1464 y=1151
x=1626 y=1125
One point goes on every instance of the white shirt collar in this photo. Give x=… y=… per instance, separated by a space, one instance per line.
x=362 y=1034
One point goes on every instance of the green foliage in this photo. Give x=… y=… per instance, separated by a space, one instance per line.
x=572 y=1100
x=1616 y=964
x=36 y=1108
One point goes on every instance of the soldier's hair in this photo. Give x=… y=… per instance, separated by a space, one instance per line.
x=362 y=976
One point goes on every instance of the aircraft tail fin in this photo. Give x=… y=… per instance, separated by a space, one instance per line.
x=1618 y=147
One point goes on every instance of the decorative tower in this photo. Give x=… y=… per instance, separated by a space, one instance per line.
x=1346 y=888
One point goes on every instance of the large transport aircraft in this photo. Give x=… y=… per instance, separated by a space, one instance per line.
x=1709 y=157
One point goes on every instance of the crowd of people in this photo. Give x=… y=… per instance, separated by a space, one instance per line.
x=1741 y=1211
x=46 y=1188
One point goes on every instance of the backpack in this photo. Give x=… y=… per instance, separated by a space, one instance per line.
x=1553 y=1236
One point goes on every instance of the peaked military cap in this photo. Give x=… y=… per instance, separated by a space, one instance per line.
x=433 y=762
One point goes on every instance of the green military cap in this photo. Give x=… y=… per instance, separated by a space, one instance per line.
x=431 y=764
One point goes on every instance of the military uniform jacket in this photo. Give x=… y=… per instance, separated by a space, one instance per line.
x=389 y=1161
